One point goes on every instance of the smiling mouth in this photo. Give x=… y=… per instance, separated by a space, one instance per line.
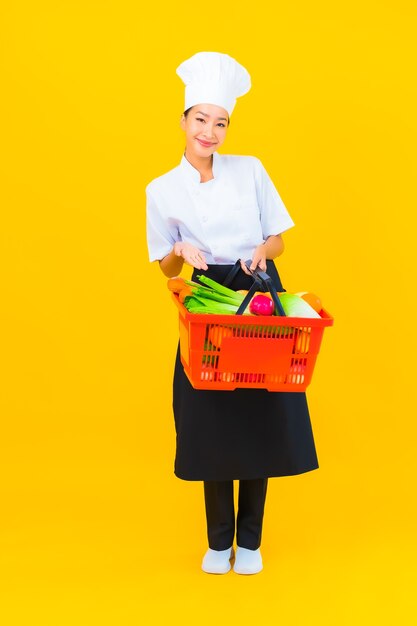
x=206 y=144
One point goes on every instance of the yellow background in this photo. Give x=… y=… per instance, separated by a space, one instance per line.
x=95 y=528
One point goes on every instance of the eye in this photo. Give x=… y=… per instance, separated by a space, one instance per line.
x=199 y=119
x=221 y=124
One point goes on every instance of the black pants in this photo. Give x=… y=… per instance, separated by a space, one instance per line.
x=220 y=513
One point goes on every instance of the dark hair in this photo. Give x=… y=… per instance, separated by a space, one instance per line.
x=188 y=110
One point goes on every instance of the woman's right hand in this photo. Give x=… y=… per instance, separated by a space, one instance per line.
x=191 y=255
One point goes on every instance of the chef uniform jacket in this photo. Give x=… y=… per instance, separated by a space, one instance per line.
x=246 y=433
x=225 y=217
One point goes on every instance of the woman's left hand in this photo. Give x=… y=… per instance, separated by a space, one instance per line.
x=258 y=259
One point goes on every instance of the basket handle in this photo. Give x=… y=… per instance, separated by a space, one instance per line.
x=261 y=279
x=232 y=274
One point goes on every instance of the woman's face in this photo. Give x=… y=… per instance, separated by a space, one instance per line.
x=205 y=129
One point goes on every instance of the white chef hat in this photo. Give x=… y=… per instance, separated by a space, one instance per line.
x=213 y=78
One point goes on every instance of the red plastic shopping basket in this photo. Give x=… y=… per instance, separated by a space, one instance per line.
x=226 y=352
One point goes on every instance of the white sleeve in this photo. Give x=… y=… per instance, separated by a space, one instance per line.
x=161 y=235
x=275 y=218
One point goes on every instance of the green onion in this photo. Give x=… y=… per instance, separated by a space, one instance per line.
x=203 y=305
x=212 y=295
x=222 y=309
x=193 y=300
x=220 y=288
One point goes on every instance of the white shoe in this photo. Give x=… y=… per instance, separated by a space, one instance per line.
x=247 y=561
x=217 y=561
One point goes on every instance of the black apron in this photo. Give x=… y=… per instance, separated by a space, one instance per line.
x=241 y=434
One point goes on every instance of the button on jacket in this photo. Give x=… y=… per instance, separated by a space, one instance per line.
x=225 y=217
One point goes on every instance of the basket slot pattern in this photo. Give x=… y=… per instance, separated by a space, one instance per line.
x=215 y=333
x=291 y=340
x=296 y=376
x=213 y=358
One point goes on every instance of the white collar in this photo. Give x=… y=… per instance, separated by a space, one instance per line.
x=194 y=174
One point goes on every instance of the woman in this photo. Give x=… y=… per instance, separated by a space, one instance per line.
x=208 y=212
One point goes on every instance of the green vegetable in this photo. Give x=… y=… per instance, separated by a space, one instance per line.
x=205 y=305
x=212 y=295
x=221 y=289
x=212 y=298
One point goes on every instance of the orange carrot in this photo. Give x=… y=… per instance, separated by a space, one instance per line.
x=176 y=284
x=184 y=293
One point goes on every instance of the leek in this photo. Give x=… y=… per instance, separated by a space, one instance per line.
x=198 y=304
x=212 y=295
x=221 y=289
x=219 y=309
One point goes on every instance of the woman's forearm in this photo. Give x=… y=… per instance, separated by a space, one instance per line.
x=171 y=264
x=274 y=246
